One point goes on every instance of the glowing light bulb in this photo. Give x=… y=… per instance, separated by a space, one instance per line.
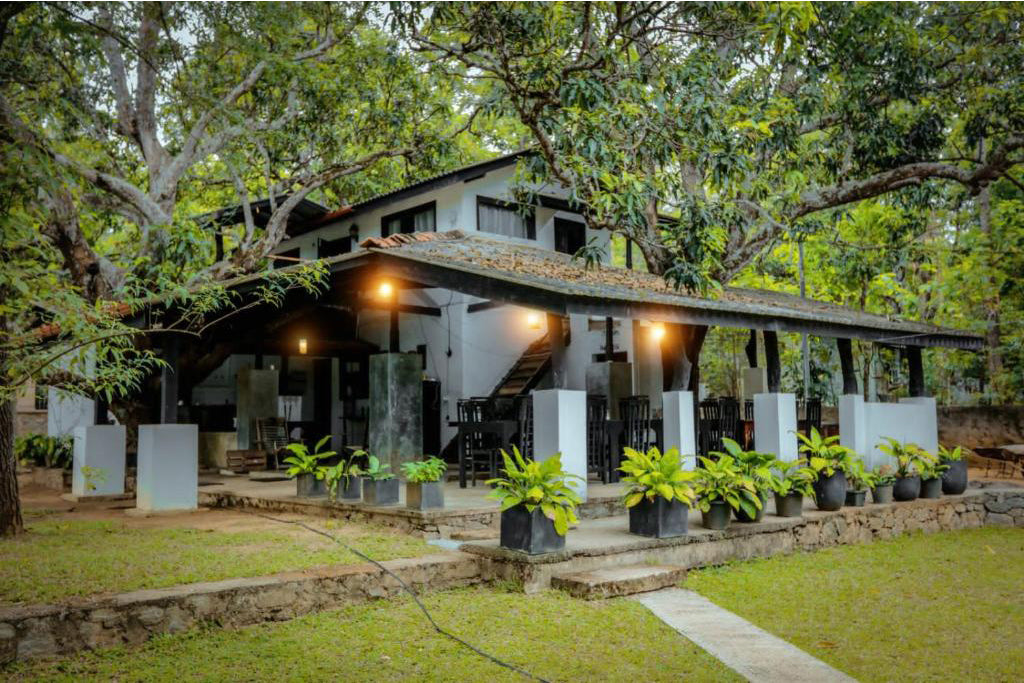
x=533 y=320
x=385 y=290
x=658 y=332
x=303 y=346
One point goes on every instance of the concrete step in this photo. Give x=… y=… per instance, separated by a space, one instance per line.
x=611 y=582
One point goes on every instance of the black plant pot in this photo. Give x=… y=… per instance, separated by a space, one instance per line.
x=658 y=518
x=350 y=488
x=427 y=495
x=380 y=492
x=830 y=492
x=882 y=493
x=530 y=532
x=906 y=488
x=931 y=488
x=954 y=480
x=718 y=516
x=742 y=516
x=791 y=505
x=308 y=486
x=856 y=499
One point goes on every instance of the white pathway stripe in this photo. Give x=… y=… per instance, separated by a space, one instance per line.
x=752 y=652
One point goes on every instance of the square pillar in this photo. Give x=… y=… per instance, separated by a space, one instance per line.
x=677 y=411
x=755 y=381
x=612 y=380
x=775 y=425
x=257 y=392
x=560 y=426
x=168 y=476
x=853 y=422
x=101 y=449
x=396 y=408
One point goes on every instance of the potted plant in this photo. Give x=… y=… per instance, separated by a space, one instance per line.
x=829 y=461
x=343 y=480
x=881 y=492
x=757 y=466
x=722 y=487
x=306 y=468
x=657 y=494
x=794 y=482
x=954 y=479
x=537 y=503
x=858 y=479
x=424 y=483
x=908 y=480
x=379 y=485
x=931 y=469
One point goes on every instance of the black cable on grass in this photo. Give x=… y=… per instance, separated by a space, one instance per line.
x=406 y=587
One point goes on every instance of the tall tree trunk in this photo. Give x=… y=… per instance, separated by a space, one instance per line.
x=993 y=336
x=680 y=356
x=11 y=522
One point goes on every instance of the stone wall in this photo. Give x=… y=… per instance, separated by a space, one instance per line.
x=981 y=426
x=35 y=631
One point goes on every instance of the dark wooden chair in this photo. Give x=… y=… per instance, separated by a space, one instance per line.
x=748 y=410
x=635 y=412
x=478 y=450
x=598 y=453
x=709 y=432
x=813 y=415
x=729 y=422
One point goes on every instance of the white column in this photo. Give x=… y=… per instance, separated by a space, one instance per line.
x=168 y=475
x=775 y=425
x=853 y=426
x=560 y=426
x=101 y=449
x=677 y=411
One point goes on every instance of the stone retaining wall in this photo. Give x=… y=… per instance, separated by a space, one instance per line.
x=34 y=631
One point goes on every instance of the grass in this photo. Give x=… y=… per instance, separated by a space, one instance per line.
x=61 y=559
x=947 y=606
x=551 y=635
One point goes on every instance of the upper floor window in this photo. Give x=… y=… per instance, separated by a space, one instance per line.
x=42 y=397
x=503 y=218
x=570 y=236
x=290 y=258
x=328 y=248
x=420 y=218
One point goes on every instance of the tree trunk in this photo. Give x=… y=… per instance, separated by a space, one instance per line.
x=680 y=356
x=993 y=336
x=11 y=522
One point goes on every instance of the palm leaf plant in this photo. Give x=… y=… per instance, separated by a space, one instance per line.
x=830 y=461
x=537 y=485
x=424 y=471
x=954 y=479
x=793 y=482
x=910 y=459
x=723 y=482
x=859 y=478
x=346 y=472
x=306 y=467
x=755 y=464
x=658 y=492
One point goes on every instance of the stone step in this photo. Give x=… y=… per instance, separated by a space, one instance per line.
x=612 y=582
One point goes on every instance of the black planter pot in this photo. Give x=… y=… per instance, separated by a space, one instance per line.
x=791 y=505
x=882 y=493
x=308 y=486
x=658 y=518
x=855 y=499
x=742 y=516
x=931 y=488
x=380 y=492
x=954 y=480
x=717 y=517
x=350 y=488
x=906 y=488
x=530 y=532
x=830 y=492
x=428 y=495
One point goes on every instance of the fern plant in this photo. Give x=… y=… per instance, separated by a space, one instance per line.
x=655 y=474
x=535 y=485
x=304 y=462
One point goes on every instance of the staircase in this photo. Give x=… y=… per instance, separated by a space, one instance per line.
x=611 y=582
x=531 y=367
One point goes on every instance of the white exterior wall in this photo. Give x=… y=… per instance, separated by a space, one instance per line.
x=864 y=425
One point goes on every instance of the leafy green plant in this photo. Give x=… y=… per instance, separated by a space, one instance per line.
x=794 y=477
x=930 y=466
x=591 y=254
x=952 y=454
x=376 y=470
x=824 y=454
x=724 y=480
x=344 y=470
x=655 y=474
x=537 y=484
x=304 y=462
x=884 y=476
x=859 y=477
x=910 y=458
x=757 y=465
x=44 y=451
x=423 y=471
x=94 y=477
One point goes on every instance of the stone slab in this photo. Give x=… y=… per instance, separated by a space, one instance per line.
x=396 y=408
x=101 y=448
x=168 y=469
x=612 y=582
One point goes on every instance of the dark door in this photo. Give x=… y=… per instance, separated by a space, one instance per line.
x=570 y=236
x=321 y=399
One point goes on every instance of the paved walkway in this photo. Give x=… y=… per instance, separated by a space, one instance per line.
x=750 y=651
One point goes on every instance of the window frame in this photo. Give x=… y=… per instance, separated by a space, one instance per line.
x=409 y=213
x=568 y=223
x=531 y=218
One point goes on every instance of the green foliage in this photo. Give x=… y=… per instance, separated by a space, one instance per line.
x=859 y=478
x=375 y=470
x=424 y=471
x=723 y=479
x=590 y=254
x=824 y=455
x=343 y=470
x=884 y=476
x=537 y=484
x=951 y=454
x=794 y=477
x=304 y=462
x=652 y=475
x=756 y=465
x=910 y=458
x=44 y=451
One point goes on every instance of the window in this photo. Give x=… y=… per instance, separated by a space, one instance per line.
x=328 y=248
x=503 y=218
x=570 y=236
x=420 y=218
x=42 y=397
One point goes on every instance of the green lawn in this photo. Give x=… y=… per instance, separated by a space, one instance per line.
x=551 y=635
x=60 y=559
x=946 y=606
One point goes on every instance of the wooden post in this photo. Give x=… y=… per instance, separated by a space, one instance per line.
x=629 y=254
x=393 y=345
x=609 y=341
x=169 y=382
x=556 y=337
x=751 y=349
x=846 y=363
x=100 y=407
x=771 y=357
x=916 y=370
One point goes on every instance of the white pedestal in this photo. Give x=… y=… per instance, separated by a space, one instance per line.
x=755 y=381
x=775 y=425
x=677 y=411
x=560 y=426
x=853 y=424
x=101 y=449
x=168 y=476
x=864 y=425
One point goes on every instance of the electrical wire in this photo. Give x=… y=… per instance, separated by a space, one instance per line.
x=406 y=587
